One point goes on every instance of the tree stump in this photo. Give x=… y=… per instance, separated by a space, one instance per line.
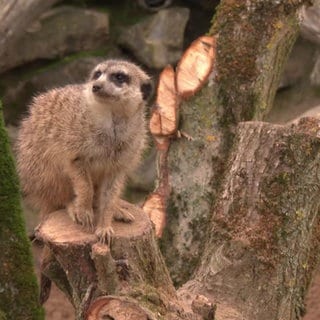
x=130 y=277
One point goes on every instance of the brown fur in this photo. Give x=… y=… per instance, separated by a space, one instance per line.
x=77 y=146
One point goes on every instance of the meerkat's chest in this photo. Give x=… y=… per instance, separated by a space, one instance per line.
x=113 y=141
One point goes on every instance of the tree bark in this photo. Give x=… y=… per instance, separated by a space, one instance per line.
x=254 y=41
x=263 y=238
x=15 y=18
x=19 y=290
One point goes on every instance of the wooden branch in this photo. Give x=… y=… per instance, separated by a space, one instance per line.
x=112 y=282
x=195 y=66
x=264 y=241
x=193 y=71
x=156 y=203
x=165 y=114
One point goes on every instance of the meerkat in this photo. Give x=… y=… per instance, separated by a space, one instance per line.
x=79 y=142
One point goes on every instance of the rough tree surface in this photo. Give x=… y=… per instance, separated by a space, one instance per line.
x=18 y=287
x=264 y=234
x=130 y=278
x=254 y=41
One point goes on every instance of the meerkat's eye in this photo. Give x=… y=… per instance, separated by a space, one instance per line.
x=119 y=78
x=96 y=74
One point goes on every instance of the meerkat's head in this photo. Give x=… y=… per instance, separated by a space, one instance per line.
x=119 y=84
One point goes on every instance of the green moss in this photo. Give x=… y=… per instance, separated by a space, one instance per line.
x=18 y=287
x=2 y=316
x=254 y=42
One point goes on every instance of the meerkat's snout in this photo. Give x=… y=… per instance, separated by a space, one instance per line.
x=96 y=88
x=101 y=90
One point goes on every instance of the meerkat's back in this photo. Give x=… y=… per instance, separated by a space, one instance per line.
x=41 y=147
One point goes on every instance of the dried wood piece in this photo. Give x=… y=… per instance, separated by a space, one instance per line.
x=156 y=210
x=156 y=203
x=116 y=308
x=164 y=118
x=193 y=70
x=195 y=66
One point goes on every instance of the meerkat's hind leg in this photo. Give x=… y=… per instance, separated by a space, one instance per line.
x=104 y=230
x=123 y=214
x=81 y=215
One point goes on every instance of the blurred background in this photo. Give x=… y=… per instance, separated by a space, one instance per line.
x=65 y=42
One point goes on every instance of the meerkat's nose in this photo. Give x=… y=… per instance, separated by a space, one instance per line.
x=96 y=88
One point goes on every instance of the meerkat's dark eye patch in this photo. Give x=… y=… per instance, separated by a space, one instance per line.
x=119 y=78
x=146 y=89
x=96 y=75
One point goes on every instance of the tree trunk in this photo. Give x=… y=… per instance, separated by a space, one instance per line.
x=254 y=41
x=263 y=238
x=19 y=291
x=15 y=18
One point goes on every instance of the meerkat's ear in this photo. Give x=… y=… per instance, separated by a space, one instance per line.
x=146 y=90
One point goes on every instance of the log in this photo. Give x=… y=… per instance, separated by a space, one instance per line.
x=195 y=66
x=165 y=113
x=129 y=277
x=264 y=236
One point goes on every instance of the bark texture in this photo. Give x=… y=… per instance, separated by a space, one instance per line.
x=18 y=286
x=127 y=281
x=254 y=40
x=264 y=232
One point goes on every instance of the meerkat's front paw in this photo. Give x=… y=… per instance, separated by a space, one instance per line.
x=81 y=215
x=105 y=234
x=122 y=214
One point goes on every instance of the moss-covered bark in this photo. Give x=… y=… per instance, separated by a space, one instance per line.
x=254 y=40
x=264 y=237
x=18 y=287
